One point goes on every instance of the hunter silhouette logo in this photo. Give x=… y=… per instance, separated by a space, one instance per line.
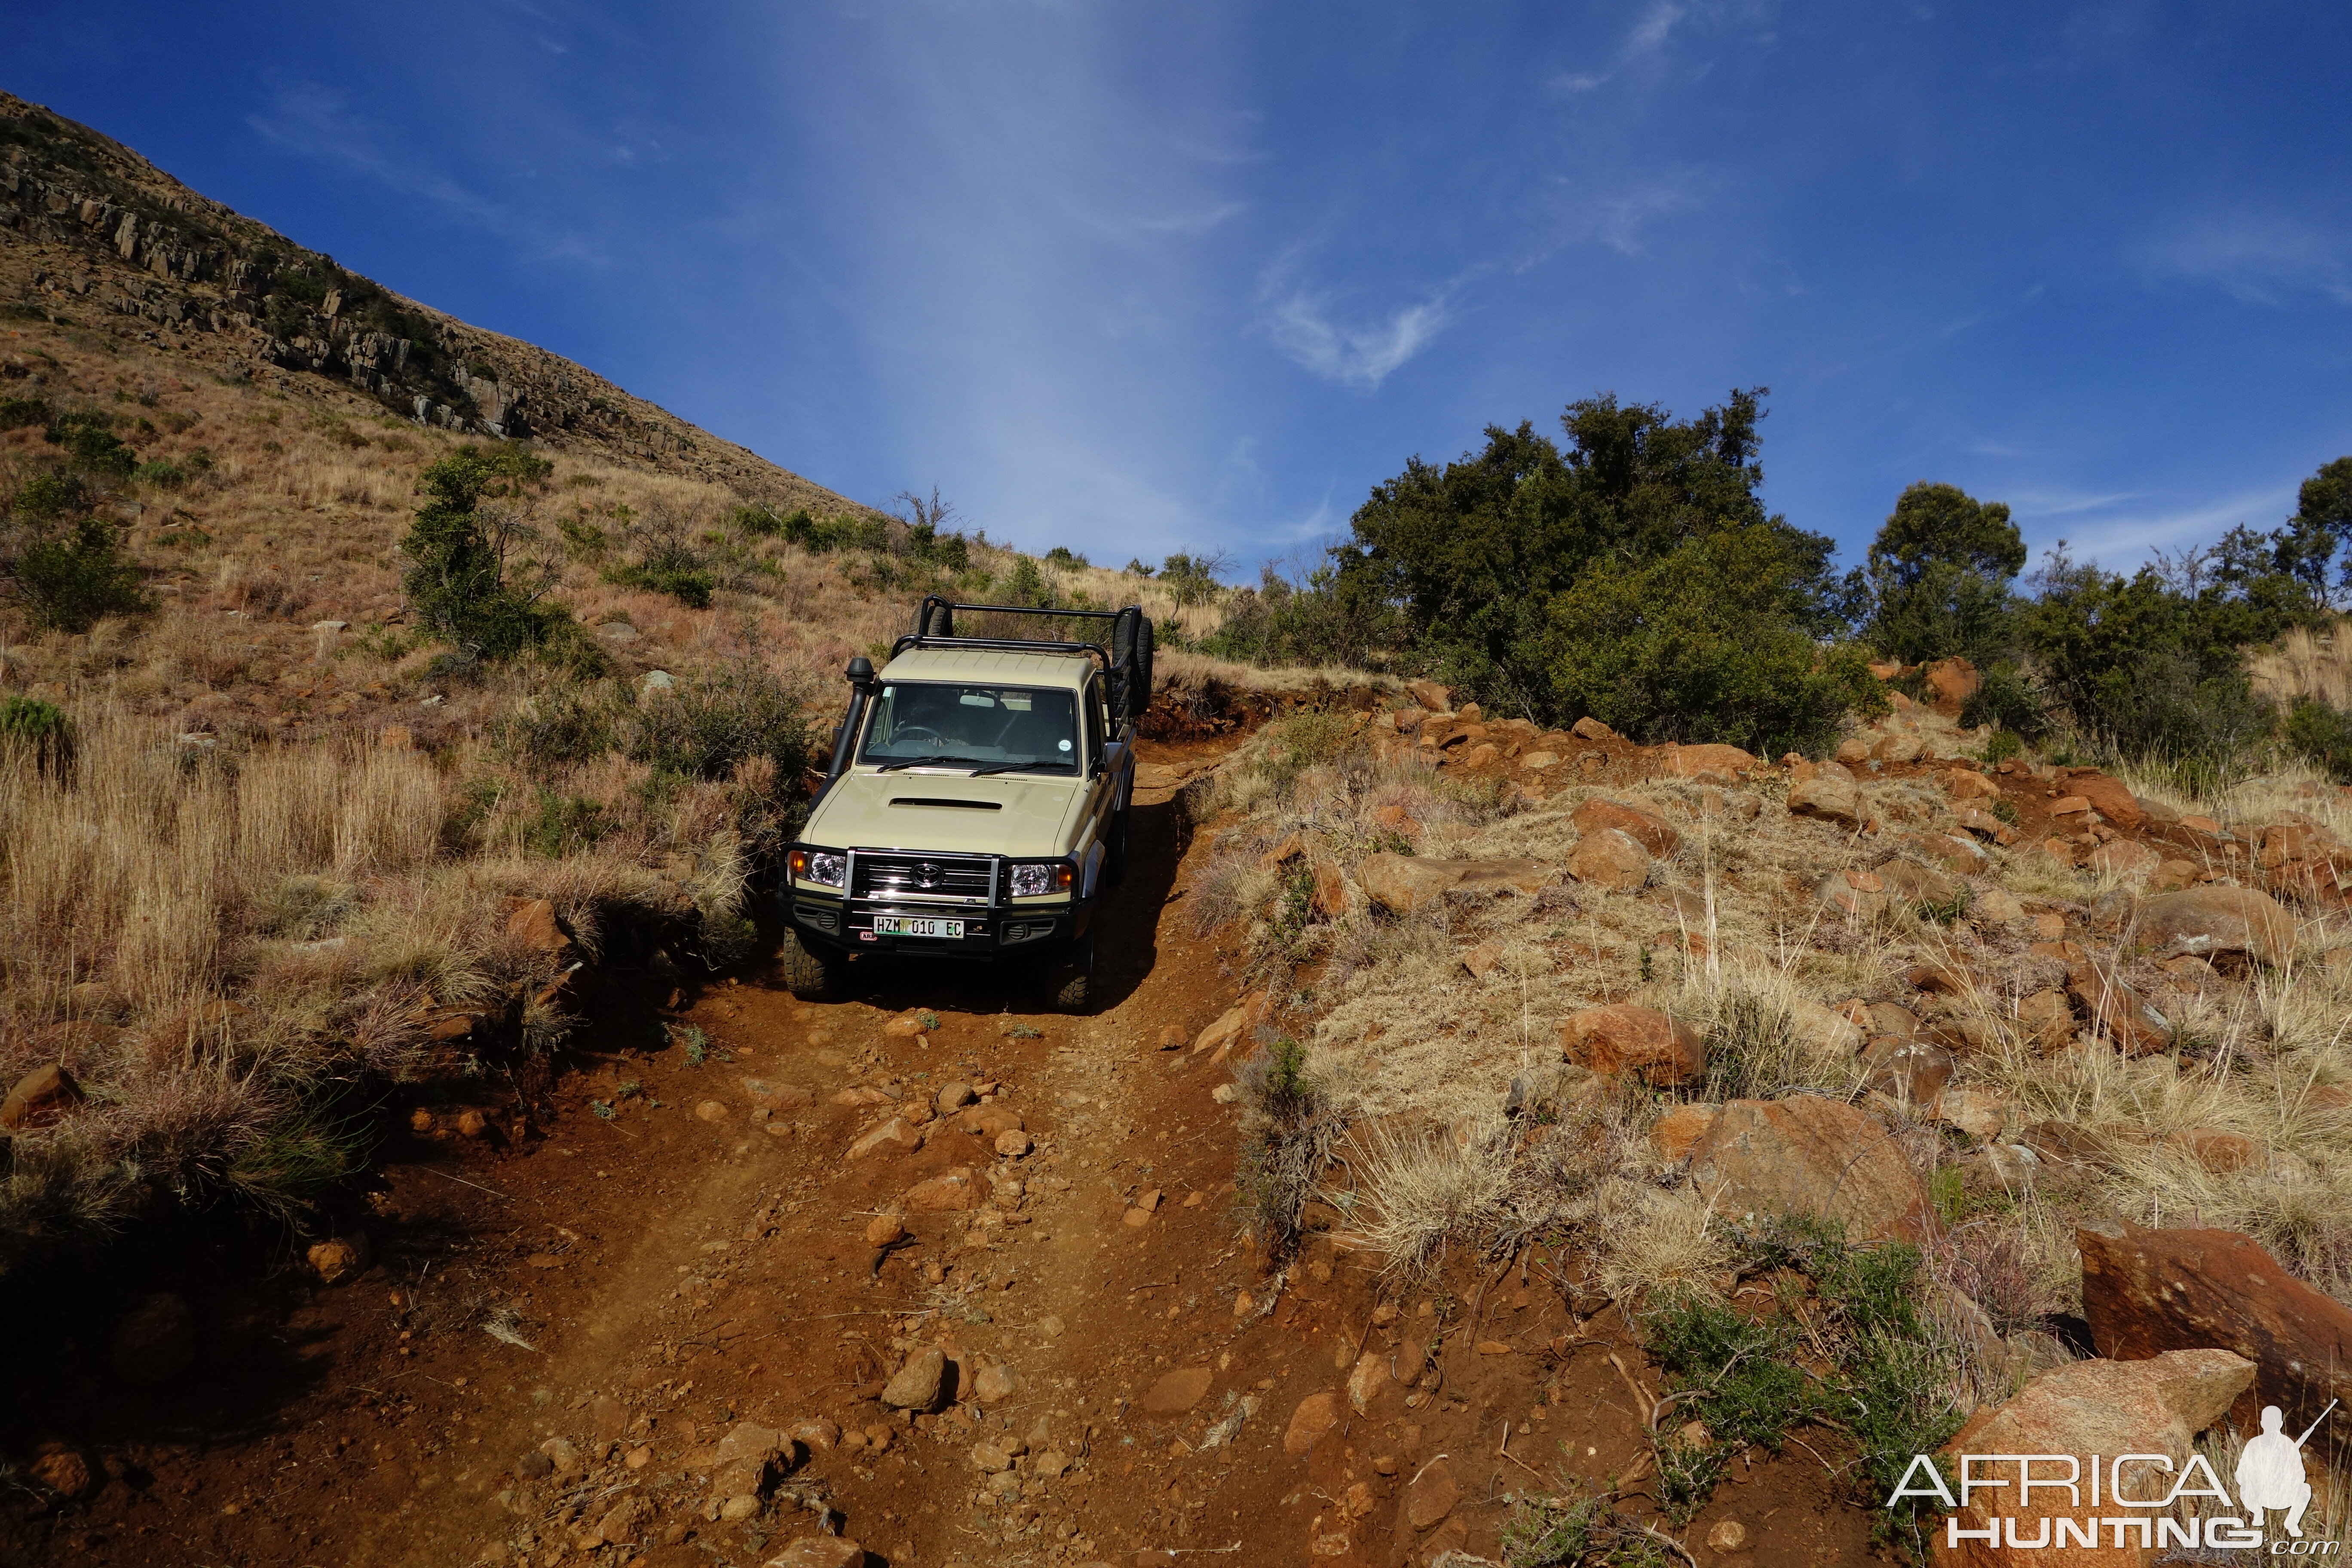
x=2269 y=1477
x=2270 y=1471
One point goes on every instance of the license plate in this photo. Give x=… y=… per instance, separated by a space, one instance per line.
x=909 y=925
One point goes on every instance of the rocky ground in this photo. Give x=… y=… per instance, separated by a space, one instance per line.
x=934 y=1278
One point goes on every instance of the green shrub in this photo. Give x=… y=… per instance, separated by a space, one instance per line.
x=709 y=724
x=17 y=413
x=90 y=445
x=2009 y=700
x=2321 y=735
x=672 y=568
x=71 y=579
x=1736 y=1376
x=457 y=552
x=560 y=727
x=41 y=727
x=162 y=473
x=1706 y=643
x=1062 y=555
x=48 y=495
x=562 y=825
x=1192 y=578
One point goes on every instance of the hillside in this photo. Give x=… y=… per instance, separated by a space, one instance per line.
x=99 y=239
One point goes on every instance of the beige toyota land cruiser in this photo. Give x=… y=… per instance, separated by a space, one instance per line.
x=976 y=806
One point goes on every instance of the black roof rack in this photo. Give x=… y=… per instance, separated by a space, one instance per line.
x=1130 y=634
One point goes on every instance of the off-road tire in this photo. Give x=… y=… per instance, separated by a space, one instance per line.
x=808 y=975
x=1073 y=977
x=1130 y=650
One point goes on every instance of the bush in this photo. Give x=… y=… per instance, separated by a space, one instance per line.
x=1192 y=578
x=1705 y=644
x=90 y=445
x=706 y=725
x=560 y=727
x=41 y=727
x=669 y=566
x=17 y=413
x=562 y=825
x=2321 y=735
x=69 y=579
x=457 y=550
x=2010 y=700
x=1069 y=560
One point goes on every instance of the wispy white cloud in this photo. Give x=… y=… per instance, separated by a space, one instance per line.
x=1361 y=353
x=2120 y=541
x=2262 y=260
x=315 y=123
x=2033 y=503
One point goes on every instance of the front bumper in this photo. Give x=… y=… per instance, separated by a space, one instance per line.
x=845 y=925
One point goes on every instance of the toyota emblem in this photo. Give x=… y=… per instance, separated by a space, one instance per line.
x=927 y=875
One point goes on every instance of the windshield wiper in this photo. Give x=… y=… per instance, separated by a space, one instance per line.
x=1038 y=767
x=924 y=763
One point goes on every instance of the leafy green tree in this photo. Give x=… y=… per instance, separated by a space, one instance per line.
x=1707 y=642
x=2147 y=668
x=1469 y=557
x=458 y=548
x=1939 y=574
x=65 y=566
x=1935 y=524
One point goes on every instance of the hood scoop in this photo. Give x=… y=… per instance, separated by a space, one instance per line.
x=951 y=804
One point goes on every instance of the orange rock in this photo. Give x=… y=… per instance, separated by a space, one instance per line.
x=1315 y=1414
x=1623 y=1039
x=1651 y=833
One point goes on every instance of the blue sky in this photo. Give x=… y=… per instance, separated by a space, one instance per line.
x=1137 y=278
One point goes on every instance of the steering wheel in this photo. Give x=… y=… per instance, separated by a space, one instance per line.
x=919 y=731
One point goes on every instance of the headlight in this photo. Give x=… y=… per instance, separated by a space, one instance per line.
x=1036 y=878
x=822 y=867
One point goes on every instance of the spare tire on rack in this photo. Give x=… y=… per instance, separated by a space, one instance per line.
x=1130 y=659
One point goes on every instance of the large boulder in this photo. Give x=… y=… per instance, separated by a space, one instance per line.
x=1609 y=859
x=1717 y=764
x=1640 y=1040
x=1828 y=798
x=2148 y=1292
x=45 y=1095
x=2215 y=919
x=1916 y=884
x=2108 y=797
x=1810 y=1155
x=2103 y=1407
x=1952 y=681
x=1651 y=833
x=1403 y=883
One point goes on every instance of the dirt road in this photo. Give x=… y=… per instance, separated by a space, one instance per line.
x=568 y=1347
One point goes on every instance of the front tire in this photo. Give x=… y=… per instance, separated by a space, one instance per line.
x=1074 y=978
x=809 y=975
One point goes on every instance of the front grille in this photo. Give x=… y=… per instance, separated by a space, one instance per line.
x=929 y=879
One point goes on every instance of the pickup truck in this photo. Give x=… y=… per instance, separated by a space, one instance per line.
x=976 y=806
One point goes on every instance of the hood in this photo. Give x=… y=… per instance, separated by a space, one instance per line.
x=867 y=810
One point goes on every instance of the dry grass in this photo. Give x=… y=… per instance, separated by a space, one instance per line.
x=2306 y=662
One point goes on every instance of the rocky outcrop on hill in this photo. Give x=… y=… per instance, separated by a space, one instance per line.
x=93 y=234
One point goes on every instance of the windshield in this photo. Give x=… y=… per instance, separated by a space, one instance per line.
x=1002 y=729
